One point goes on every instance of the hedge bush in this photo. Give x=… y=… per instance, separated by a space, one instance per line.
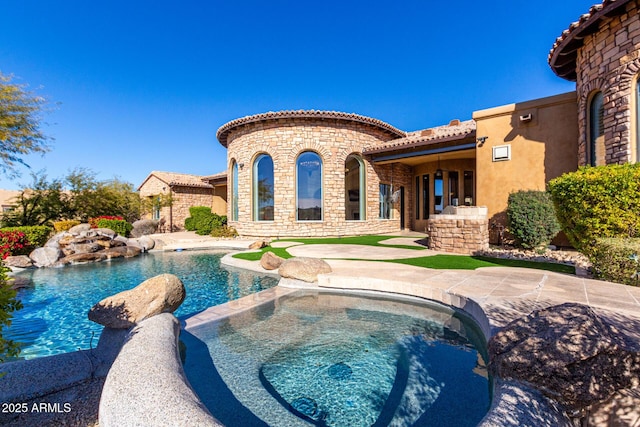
x=617 y=260
x=13 y=242
x=121 y=227
x=203 y=221
x=93 y=222
x=8 y=304
x=37 y=235
x=531 y=218
x=59 y=226
x=598 y=202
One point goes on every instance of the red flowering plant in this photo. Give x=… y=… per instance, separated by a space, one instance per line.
x=93 y=222
x=13 y=243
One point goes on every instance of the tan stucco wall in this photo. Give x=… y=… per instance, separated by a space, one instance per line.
x=219 y=200
x=284 y=139
x=458 y=165
x=609 y=61
x=541 y=149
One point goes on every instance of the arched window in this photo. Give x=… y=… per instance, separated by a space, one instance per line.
x=595 y=150
x=263 y=188
x=309 y=186
x=234 y=191
x=354 y=198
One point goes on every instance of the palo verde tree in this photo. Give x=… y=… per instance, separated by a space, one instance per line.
x=20 y=126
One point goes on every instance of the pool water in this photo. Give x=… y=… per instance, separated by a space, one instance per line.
x=54 y=318
x=340 y=359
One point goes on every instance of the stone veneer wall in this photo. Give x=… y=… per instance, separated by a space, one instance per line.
x=183 y=198
x=609 y=61
x=284 y=139
x=463 y=232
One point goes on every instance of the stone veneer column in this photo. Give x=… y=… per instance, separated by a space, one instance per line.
x=609 y=61
x=465 y=231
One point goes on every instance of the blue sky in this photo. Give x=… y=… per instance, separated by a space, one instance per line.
x=136 y=86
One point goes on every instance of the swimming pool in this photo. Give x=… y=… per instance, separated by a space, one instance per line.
x=54 y=318
x=338 y=359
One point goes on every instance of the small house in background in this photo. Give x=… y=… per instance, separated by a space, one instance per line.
x=8 y=199
x=185 y=191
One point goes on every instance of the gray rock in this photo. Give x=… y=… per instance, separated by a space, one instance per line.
x=160 y=294
x=54 y=242
x=81 y=258
x=305 y=269
x=77 y=229
x=567 y=352
x=270 y=261
x=106 y=232
x=145 y=243
x=19 y=282
x=144 y=227
x=122 y=252
x=18 y=261
x=45 y=256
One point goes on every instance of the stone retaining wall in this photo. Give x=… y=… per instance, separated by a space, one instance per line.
x=464 y=231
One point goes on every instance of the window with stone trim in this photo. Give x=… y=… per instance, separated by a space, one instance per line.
x=263 y=187
x=234 y=191
x=354 y=184
x=595 y=127
x=385 y=201
x=309 y=186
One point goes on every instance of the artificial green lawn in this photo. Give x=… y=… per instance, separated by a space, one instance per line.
x=437 y=262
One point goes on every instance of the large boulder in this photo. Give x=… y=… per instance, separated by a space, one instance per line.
x=77 y=229
x=18 y=261
x=160 y=294
x=271 y=261
x=568 y=352
x=143 y=227
x=305 y=269
x=45 y=256
x=122 y=252
x=81 y=258
x=258 y=244
x=54 y=241
x=145 y=243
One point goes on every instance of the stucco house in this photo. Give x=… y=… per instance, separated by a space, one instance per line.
x=186 y=191
x=326 y=173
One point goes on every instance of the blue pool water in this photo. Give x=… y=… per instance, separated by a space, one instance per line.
x=54 y=317
x=340 y=359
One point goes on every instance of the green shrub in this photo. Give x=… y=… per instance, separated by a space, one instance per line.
x=121 y=227
x=59 y=226
x=531 y=218
x=224 y=231
x=37 y=235
x=617 y=260
x=203 y=221
x=8 y=304
x=597 y=202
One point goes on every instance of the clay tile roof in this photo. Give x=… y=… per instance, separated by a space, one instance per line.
x=562 y=57
x=179 y=179
x=454 y=131
x=221 y=176
x=224 y=130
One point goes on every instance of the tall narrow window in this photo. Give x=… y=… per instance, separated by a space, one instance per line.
x=234 y=191
x=354 y=189
x=454 y=198
x=596 y=130
x=438 y=192
x=309 y=183
x=417 y=197
x=385 y=201
x=263 y=188
x=155 y=214
x=468 y=188
x=425 y=197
